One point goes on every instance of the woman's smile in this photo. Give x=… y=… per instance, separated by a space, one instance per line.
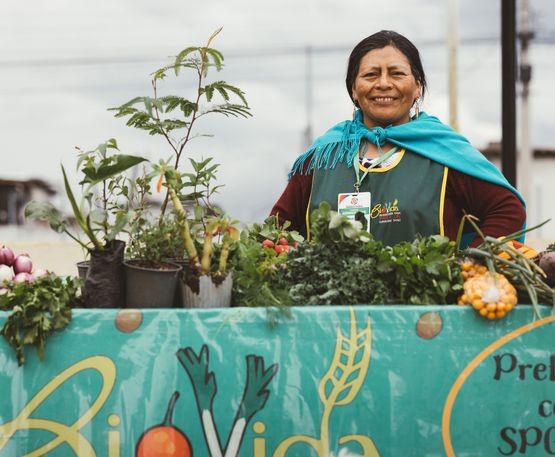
x=383 y=100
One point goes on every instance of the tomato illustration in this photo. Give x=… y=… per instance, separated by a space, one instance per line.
x=164 y=440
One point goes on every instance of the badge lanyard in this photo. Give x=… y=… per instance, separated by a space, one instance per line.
x=375 y=163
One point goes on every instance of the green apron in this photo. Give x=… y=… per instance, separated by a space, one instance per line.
x=406 y=197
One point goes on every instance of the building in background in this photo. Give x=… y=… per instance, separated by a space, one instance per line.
x=15 y=194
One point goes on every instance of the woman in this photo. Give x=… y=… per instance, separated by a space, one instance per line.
x=400 y=174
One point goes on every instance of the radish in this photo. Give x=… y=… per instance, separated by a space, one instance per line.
x=22 y=264
x=6 y=273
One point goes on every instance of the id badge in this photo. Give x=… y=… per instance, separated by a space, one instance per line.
x=356 y=207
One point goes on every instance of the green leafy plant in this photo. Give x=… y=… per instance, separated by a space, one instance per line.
x=154 y=243
x=101 y=213
x=255 y=263
x=343 y=264
x=199 y=235
x=174 y=116
x=37 y=310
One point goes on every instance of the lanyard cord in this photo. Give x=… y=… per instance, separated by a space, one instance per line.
x=375 y=163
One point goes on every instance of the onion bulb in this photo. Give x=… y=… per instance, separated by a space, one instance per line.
x=6 y=273
x=7 y=256
x=22 y=264
x=23 y=277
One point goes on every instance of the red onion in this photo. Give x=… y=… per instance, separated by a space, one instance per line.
x=7 y=256
x=6 y=273
x=22 y=278
x=22 y=264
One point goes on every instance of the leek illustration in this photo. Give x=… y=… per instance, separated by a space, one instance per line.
x=255 y=396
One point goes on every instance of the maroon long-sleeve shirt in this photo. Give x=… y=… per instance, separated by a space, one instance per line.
x=499 y=210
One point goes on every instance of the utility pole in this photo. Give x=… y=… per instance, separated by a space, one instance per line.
x=525 y=75
x=307 y=134
x=452 y=43
x=508 y=90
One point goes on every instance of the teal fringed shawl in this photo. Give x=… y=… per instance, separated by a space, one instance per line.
x=426 y=136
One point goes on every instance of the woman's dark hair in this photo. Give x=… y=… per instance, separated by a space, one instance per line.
x=380 y=40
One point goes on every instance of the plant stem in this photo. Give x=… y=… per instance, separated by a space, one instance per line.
x=168 y=139
x=185 y=231
x=105 y=208
x=207 y=252
x=76 y=239
x=224 y=255
x=199 y=94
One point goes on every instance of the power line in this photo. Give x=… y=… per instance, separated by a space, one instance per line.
x=251 y=54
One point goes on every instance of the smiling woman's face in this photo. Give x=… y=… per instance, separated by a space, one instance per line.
x=385 y=88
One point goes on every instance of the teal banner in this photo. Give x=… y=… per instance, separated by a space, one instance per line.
x=329 y=381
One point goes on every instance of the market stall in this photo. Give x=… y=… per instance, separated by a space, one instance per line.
x=364 y=380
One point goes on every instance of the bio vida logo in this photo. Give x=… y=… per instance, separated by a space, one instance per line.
x=338 y=387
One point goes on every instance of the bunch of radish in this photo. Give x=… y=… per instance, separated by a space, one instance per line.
x=280 y=247
x=17 y=268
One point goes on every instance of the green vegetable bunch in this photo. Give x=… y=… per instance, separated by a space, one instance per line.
x=342 y=264
x=37 y=310
x=255 y=265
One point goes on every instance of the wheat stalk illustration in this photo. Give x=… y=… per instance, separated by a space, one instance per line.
x=346 y=374
x=339 y=386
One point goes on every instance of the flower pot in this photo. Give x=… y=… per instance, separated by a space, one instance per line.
x=209 y=295
x=104 y=284
x=150 y=287
x=83 y=270
x=183 y=263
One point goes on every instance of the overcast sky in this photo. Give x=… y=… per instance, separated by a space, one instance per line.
x=64 y=62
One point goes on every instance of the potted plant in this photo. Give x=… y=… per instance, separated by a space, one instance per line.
x=151 y=277
x=207 y=241
x=101 y=214
x=170 y=114
x=173 y=117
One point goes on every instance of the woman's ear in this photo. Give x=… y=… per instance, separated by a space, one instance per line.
x=418 y=91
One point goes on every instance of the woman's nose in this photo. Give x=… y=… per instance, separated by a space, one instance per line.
x=384 y=80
